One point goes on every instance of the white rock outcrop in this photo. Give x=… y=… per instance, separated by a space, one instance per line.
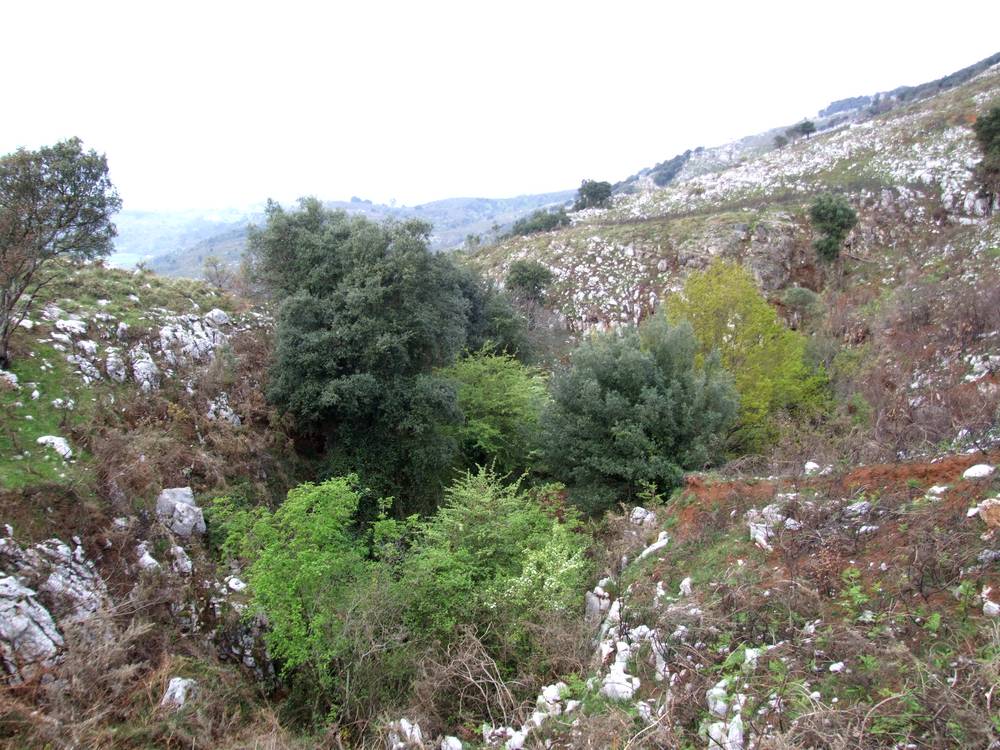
x=979 y=471
x=177 y=509
x=29 y=640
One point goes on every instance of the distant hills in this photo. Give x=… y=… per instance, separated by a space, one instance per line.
x=177 y=243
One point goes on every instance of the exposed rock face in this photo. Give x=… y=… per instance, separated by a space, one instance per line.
x=114 y=366
x=219 y=409
x=188 y=337
x=29 y=641
x=47 y=588
x=144 y=369
x=177 y=509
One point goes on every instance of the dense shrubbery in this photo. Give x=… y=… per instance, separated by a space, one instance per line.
x=729 y=315
x=352 y=608
x=834 y=218
x=634 y=409
x=542 y=220
x=489 y=552
x=500 y=399
x=367 y=315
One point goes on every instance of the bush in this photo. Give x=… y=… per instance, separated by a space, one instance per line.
x=729 y=315
x=592 y=194
x=501 y=400
x=528 y=279
x=541 y=220
x=492 y=544
x=634 y=408
x=834 y=218
x=325 y=600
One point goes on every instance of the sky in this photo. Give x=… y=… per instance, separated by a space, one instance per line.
x=217 y=104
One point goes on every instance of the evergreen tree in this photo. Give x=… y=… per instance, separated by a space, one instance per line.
x=834 y=218
x=632 y=409
x=367 y=313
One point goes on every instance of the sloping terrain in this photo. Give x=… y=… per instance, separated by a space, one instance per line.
x=910 y=172
x=853 y=610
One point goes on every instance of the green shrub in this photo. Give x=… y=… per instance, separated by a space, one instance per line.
x=541 y=220
x=834 y=218
x=492 y=557
x=528 y=280
x=633 y=409
x=501 y=400
x=328 y=604
x=768 y=361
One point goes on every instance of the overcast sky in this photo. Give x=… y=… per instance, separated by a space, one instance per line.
x=213 y=104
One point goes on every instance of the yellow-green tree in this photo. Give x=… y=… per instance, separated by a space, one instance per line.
x=767 y=359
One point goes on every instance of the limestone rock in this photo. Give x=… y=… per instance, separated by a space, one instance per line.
x=114 y=366
x=59 y=444
x=144 y=370
x=979 y=471
x=177 y=509
x=29 y=641
x=216 y=317
x=179 y=689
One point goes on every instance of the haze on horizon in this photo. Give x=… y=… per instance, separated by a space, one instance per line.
x=224 y=104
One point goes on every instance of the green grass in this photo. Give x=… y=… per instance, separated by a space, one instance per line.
x=22 y=460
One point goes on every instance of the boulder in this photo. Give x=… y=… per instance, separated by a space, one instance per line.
x=216 y=317
x=71 y=327
x=979 y=471
x=404 y=734
x=179 y=689
x=29 y=640
x=114 y=365
x=642 y=517
x=182 y=563
x=59 y=444
x=144 y=370
x=177 y=509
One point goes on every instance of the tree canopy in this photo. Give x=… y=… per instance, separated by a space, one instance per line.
x=592 y=194
x=528 y=279
x=635 y=408
x=730 y=316
x=367 y=314
x=500 y=400
x=56 y=202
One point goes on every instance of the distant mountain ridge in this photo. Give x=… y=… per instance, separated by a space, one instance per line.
x=176 y=244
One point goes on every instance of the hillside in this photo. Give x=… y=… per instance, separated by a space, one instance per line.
x=358 y=509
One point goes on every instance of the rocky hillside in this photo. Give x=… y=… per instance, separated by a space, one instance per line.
x=822 y=608
x=130 y=397
x=840 y=591
x=909 y=172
